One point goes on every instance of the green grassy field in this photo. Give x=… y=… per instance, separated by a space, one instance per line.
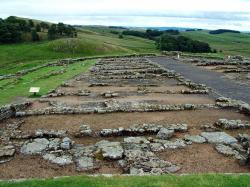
x=229 y=43
x=92 y=41
x=136 y=181
x=43 y=78
x=17 y=57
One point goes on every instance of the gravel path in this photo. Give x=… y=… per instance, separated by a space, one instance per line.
x=215 y=80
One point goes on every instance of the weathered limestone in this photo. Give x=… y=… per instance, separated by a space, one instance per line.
x=7 y=151
x=85 y=164
x=231 y=124
x=195 y=138
x=50 y=134
x=66 y=143
x=165 y=134
x=85 y=130
x=136 y=140
x=37 y=146
x=218 y=137
x=58 y=159
x=110 y=150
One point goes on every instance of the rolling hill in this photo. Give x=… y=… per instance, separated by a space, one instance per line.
x=228 y=43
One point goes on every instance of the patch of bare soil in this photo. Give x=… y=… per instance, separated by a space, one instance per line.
x=114 y=120
x=203 y=158
x=38 y=105
x=36 y=167
x=32 y=167
x=162 y=98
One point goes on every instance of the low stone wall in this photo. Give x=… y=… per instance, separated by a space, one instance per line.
x=225 y=102
x=9 y=111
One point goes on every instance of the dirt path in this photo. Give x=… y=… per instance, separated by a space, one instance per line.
x=215 y=80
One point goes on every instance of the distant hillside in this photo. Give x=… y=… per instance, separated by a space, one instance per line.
x=227 y=43
x=221 y=31
x=90 y=41
x=17 y=30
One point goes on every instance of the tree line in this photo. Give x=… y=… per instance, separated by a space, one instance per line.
x=171 y=40
x=221 y=31
x=181 y=43
x=14 y=30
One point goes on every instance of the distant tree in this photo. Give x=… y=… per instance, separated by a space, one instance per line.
x=61 y=28
x=114 y=32
x=35 y=36
x=31 y=23
x=44 y=25
x=9 y=32
x=121 y=36
x=38 y=27
x=52 y=32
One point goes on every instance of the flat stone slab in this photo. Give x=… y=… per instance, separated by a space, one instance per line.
x=85 y=163
x=35 y=147
x=226 y=150
x=110 y=150
x=218 y=137
x=136 y=140
x=60 y=160
x=7 y=151
x=165 y=133
x=195 y=138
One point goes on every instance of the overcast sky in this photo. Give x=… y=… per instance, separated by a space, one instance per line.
x=208 y=14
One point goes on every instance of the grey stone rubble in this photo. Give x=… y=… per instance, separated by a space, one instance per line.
x=139 y=160
x=231 y=124
x=7 y=151
x=224 y=102
x=209 y=128
x=165 y=134
x=35 y=147
x=195 y=138
x=112 y=107
x=233 y=150
x=85 y=164
x=84 y=130
x=9 y=111
x=218 y=137
x=110 y=150
x=142 y=129
x=58 y=158
x=134 y=154
x=50 y=134
x=244 y=140
x=175 y=144
x=109 y=94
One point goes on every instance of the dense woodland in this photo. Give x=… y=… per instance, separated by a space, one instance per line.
x=171 y=40
x=15 y=30
x=182 y=43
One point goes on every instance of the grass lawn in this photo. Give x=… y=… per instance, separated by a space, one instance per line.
x=206 y=180
x=11 y=88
